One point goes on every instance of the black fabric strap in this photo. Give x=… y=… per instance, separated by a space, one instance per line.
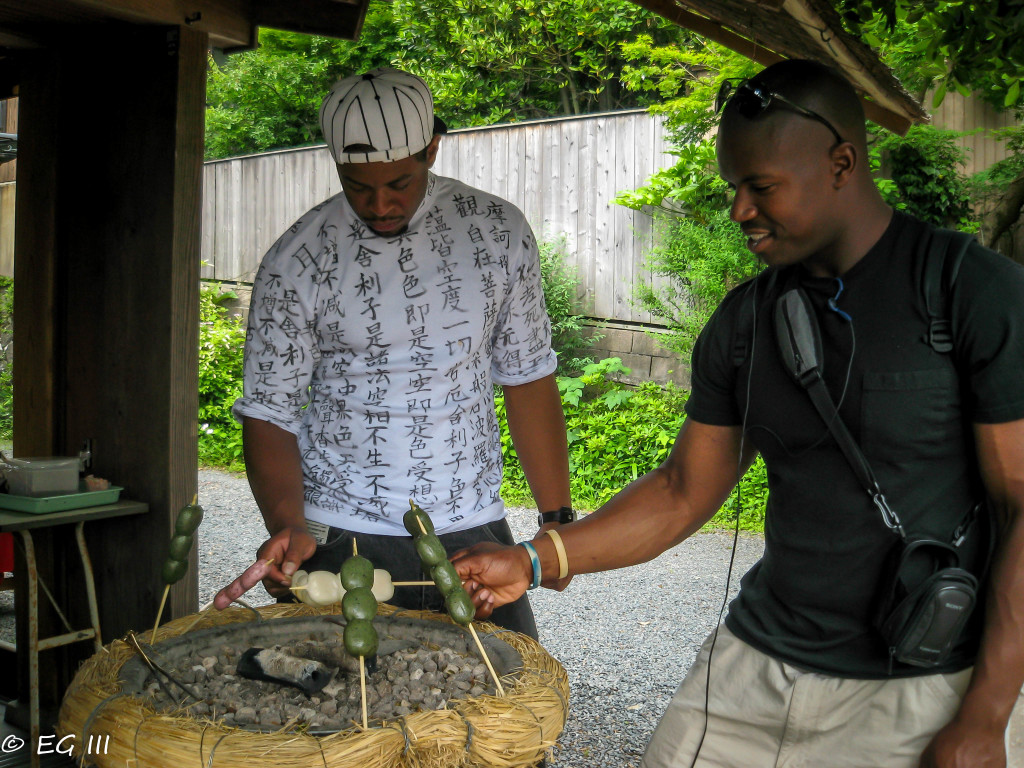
x=799 y=342
x=826 y=408
x=944 y=251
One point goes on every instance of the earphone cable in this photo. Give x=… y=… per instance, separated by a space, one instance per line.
x=736 y=528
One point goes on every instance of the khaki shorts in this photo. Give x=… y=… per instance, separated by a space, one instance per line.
x=765 y=713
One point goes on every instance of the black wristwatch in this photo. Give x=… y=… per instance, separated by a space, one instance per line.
x=560 y=516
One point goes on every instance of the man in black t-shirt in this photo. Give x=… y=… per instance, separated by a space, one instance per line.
x=798 y=674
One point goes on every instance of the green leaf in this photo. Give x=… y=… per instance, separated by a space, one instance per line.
x=1012 y=94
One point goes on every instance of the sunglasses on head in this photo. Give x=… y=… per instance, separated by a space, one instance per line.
x=752 y=100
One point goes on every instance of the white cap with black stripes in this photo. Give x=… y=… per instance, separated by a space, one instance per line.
x=387 y=113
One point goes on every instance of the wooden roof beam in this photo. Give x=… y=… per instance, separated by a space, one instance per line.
x=712 y=30
x=227 y=22
x=881 y=108
x=893 y=120
x=331 y=18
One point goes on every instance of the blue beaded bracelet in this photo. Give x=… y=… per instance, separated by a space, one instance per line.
x=534 y=561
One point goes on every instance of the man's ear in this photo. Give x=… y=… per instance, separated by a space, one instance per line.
x=844 y=162
x=432 y=148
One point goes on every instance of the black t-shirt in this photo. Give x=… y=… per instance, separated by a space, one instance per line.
x=811 y=598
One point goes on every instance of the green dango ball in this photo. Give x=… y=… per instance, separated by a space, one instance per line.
x=359 y=604
x=188 y=520
x=430 y=550
x=356 y=572
x=360 y=638
x=413 y=518
x=173 y=570
x=460 y=607
x=181 y=546
x=445 y=577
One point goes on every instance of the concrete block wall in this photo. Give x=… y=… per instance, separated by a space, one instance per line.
x=640 y=351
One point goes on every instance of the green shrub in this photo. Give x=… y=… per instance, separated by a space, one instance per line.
x=925 y=168
x=221 y=348
x=697 y=264
x=617 y=434
x=987 y=186
x=569 y=337
x=699 y=254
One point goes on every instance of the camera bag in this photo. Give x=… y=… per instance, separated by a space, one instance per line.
x=926 y=602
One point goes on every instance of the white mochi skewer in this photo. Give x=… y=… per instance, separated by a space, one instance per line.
x=324 y=588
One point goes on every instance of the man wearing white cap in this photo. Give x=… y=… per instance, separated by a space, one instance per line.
x=380 y=323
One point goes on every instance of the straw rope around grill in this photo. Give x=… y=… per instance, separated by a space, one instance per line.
x=498 y=732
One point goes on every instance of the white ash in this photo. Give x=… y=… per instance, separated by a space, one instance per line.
x=424 y=677
x=279 y=664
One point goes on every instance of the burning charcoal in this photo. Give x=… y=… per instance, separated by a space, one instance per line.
x=277 y=667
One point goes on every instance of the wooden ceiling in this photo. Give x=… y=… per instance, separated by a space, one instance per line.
x=231 y=24
x=764 y=30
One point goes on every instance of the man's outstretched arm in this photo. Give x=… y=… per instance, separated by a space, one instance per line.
x=650 y=515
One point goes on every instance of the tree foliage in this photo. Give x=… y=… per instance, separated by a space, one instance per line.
x=926 y=170
x=954 y=44
x=684 y=79
x=486 y=61
x=539 y=57
x=270 y=97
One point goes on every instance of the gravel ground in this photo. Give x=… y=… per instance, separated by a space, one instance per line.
x=626 y=638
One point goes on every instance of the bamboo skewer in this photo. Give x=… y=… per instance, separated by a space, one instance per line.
x=487 y=660
x=362 y=687
x=362 y=659
x=476 y=637
x=159 y=613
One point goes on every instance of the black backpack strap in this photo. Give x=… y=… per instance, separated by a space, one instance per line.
x=799 y=342
x=945 y=252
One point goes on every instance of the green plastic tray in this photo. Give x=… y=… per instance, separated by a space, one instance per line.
x=41 y=504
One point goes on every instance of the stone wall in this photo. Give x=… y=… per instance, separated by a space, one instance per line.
x=640 y=351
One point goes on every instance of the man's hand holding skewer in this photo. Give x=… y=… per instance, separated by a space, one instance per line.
x=493 y=574
x=289 y=548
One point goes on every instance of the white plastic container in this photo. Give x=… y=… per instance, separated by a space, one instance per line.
x=51 y=476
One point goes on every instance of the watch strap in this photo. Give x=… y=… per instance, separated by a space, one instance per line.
x=561 y=516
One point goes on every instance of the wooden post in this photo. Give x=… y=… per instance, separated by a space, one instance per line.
x=106 y=298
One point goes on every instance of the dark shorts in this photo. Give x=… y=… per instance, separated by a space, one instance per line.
x=397 y=555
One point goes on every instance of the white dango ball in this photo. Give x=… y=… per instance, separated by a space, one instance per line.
x=323 y=588
x=382 y=587
x=298 y=587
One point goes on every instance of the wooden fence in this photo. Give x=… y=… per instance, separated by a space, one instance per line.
x=563 y=173
x=978 y=119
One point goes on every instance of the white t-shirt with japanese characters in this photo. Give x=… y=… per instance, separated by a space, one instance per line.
x=380 y=355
